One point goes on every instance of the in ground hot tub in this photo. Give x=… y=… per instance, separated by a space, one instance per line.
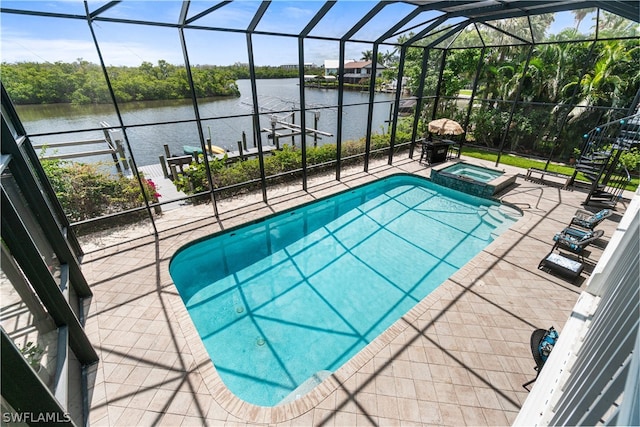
x=472 y=179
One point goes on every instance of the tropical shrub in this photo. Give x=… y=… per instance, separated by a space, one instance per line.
x=289 y=159
x=322 y=154
x=488 y=126
x=631 y=160
x=88 y=190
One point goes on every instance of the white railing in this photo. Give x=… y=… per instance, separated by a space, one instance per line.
x=592 y=377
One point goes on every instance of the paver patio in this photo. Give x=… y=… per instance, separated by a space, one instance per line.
x=459 y=357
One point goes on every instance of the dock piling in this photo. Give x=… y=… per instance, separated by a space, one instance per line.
x=121 y=153
x=114 y=156
x=163 y=165
x=240 y=149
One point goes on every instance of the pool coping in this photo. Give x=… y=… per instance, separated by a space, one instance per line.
x=280 y=413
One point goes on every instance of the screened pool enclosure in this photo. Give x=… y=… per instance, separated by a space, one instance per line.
x=107 y=105
x=136 y=80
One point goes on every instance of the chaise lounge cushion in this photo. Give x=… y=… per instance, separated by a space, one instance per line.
x=562 y=265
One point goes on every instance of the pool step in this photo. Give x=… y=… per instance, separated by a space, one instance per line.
x=306 y=386
x=500 y=217
x=510 y=212
x=494 y=217
x=503 y=212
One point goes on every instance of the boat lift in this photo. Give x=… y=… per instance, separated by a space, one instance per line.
x=286 y=122
x=113 y=139
x=294 y=130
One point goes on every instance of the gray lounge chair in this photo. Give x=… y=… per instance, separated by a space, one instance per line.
x=588 y=220
x=575 y=240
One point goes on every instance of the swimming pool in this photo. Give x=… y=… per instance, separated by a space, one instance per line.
x=281 y=303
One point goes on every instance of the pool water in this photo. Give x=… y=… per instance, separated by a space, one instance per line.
x=281 y=303
x=474 y=172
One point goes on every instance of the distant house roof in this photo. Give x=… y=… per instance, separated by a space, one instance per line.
x=362 y=64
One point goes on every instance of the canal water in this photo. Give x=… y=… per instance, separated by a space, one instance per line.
x=225 y=120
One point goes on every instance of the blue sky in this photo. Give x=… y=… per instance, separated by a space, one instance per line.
x=41 y=39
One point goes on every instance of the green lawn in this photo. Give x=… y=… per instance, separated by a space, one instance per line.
x=524 y=163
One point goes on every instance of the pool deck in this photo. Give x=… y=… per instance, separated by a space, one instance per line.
x=459 y=357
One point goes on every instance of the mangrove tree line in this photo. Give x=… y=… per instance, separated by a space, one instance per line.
x=82 y=82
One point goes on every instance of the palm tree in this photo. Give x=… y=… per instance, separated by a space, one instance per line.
x=603 y=85
x=367 y=55
x=612 y=26
x=560 y=62
x=389 y=58
x=580 y=14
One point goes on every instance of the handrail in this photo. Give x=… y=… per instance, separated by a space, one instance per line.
x=600 y=154
x=600 y=131
x=621 y=121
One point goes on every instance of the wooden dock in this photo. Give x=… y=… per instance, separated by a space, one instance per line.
x=164 y=186
x=163 y=173
x=151 y=171
x=172 y=164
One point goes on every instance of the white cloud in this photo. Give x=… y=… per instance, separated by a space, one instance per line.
x=18 y=49
x=21 y=49
x=298 y=12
